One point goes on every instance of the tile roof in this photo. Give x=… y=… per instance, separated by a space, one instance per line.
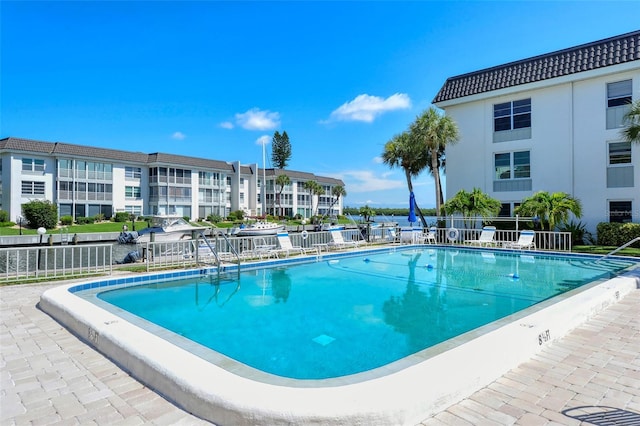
x=599 y=54
x=159 y=157
x=303 y=176
x=61 y=148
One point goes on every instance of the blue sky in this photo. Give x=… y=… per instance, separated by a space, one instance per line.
x=214 y=79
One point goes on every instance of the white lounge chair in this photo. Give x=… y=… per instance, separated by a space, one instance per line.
x=525 y=241
x=486 y=237
x=428 y=237
x=338 y=242
x=286 y=247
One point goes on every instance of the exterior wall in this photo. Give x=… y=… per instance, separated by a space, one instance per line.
x=226 y=198
x=568 y=144
x=16 y=176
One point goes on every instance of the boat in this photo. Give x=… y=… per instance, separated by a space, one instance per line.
x=166 y=228
x=260 y=228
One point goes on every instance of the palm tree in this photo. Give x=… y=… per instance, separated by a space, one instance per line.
x=631 y=132
x=337 y=191
x=408 y=153
x=314 y=188
x=282 y=181
x=552 y=209
x=473 y=204
x=435 y=131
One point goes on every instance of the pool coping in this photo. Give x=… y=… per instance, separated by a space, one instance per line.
x=401 y=395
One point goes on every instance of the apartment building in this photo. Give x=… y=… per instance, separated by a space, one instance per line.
x=550 y=123
x=84 y=181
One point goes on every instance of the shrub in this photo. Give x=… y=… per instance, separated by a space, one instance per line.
x=617 y=234
x=4 y=216
x=122 y=216
x=41 y=213
x=214 y=218
x=85 y=220
x=236 y=215
x=66 y=220
x=578 y=232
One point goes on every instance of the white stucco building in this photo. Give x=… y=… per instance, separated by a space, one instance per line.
x=84 y=181
x=550 y=123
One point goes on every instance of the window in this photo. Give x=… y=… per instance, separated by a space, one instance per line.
x=32 y=165
x=32 y=188
x=512 y=115
x=620 y=153
x=134 y=210
x=132 y=192
x=65 y=168
x=132 y=172
x=618 y=93
x=512 y=165
x=620 y=211
x=618 y=103
x=505 y=210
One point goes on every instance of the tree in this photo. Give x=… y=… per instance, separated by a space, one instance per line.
x=314 y=188
x=552 y=209
x=409 y=154
x=435 y=132
x=40 y=213
x=367 y=213
x=337 y=192
x=282 y=181
x=631 y=132
x=473 y=204
x=280 y=150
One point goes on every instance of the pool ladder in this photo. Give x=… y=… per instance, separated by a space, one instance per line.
x=618 y=249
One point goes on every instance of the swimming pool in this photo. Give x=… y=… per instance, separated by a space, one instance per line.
x=391 y=298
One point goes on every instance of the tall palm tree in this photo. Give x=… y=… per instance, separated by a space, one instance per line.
x=314 y=188
x=435 y=131
x=552 y=209
x=632 y=130
x=408 y=153
x=282 y=181
x=337 y=192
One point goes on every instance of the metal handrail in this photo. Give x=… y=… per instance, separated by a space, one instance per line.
x=619 y=248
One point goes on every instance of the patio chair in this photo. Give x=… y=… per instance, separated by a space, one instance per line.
x=525 y=241
x=428 y=237
x=338 y=242
x=286 y=247
x=486 y=237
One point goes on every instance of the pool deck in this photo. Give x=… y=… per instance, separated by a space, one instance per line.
x=48 y=375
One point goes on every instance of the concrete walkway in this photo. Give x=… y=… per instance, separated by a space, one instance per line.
x=48 y=376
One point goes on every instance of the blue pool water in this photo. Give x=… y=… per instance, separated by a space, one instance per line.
x=348 y=315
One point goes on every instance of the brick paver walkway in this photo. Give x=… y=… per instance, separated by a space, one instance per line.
x=48 y=376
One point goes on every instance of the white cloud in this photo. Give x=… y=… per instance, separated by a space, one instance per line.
x=367 y=108
x=357 y=181
x=178 y=135
x=263 y=140
x=226 y=125
x=255 y=119
x=377 y=160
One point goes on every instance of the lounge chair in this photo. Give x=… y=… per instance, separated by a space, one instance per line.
x=428 y=237
x=286 y=247
x=338 y=242
x=525 y=241
x=410 y=234
x=486 y=237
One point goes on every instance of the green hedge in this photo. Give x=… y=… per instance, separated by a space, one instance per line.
x=617 y=234
x=122 y=216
